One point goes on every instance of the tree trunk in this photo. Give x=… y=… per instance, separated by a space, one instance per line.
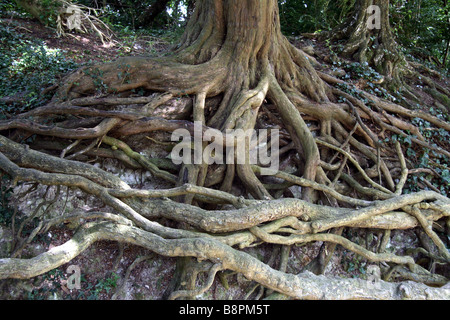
x=369 y=39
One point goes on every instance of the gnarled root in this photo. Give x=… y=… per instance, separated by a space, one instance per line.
x=335 y=152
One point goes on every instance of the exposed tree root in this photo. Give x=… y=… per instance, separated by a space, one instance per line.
x=370 y=40
x=69 y=16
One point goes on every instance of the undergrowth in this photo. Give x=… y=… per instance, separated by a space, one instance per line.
x=27 y=68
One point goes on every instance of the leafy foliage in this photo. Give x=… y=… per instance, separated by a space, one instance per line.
x=309 y=16
x=422 y=27
x=124 y=15
x=6 y=6
x=358 y=70
x=433 y=169
x=26 y=68
x=50 y=286
x=439 y=175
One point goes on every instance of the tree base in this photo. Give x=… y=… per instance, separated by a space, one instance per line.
x=231 y=81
